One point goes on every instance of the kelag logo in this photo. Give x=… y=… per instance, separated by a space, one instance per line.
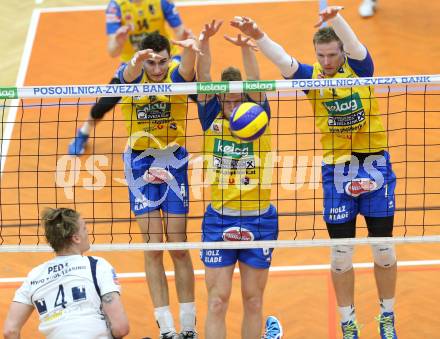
x=212 y=87
x=258 y=86
x=225 y=148
x=8 y=93
x=345 y=105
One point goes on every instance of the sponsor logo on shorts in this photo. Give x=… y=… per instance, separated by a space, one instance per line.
x=237 y=234
x=359 y=186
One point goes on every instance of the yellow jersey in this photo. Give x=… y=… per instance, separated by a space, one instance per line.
x=145 y=16
x=239 y=172
x=155 y=121
x=348 y=118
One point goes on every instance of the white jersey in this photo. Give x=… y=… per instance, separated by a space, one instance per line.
x=66 y=291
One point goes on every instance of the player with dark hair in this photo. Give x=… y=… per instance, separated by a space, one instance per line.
x=156 y=165
x=128 y=22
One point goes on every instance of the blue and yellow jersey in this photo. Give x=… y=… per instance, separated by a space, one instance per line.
x=145 y=16
x=349 y=118
x=155 y=121
x=236 y=169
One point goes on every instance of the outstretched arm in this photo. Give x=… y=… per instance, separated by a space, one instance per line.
x=250 y=63
x=117 y=40
x=274 y=52
x=204 y=58
x=133 y=69
x=352 y=45
x=190 y=48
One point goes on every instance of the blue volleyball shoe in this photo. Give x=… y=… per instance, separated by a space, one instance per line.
x=350 y=330
x=272 y=329
x=78 y=144
x=386 y=325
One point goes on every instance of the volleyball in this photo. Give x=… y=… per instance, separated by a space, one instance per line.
x=248 y=121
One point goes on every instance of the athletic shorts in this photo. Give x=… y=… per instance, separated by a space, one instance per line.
x=171 y=197
x=217 y=227
x=367 y=189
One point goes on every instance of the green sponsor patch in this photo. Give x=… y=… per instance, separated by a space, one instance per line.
x=258 y=86
x=212 y=87
x=345 y=105
x=226 y=148
x=8 y=93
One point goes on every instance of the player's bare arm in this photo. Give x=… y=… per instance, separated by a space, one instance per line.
x=116 y=41
x=134 y=67
x=204 y=60
x=115 y=314
x=17 y=316
x=274 y=52
x=351 y=44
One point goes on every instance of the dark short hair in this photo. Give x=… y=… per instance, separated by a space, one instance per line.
x=325 y=35
x=60 y=224
x=231 y=74
x=156 y=42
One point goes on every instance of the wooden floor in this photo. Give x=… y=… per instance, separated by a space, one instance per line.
x=69 y=48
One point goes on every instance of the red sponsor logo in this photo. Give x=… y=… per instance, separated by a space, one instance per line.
x=237 y=234
x=359 y=186
x=156 y=175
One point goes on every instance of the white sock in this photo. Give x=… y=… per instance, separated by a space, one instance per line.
x=164 y=319
x=386 y=305
x=347 y=313
x=85 y=128
x=187 y=316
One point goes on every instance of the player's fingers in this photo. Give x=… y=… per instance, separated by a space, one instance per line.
x=218 y=25
x=319 y=23
x=230 y=39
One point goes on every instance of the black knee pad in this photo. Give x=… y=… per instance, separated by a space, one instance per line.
x=380 y=227
x=344 y=230
x=104 y=104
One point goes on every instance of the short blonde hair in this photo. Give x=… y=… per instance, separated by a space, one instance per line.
x=60 y=224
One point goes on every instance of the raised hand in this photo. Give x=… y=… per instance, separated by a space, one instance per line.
x=121 y=34
x=328 y=13
x=247 y=26
x=143 y=55
x=188 y=34
x=210 y=29
x=190 y=43
x=242 y=42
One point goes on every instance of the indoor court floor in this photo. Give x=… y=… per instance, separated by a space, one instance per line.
x=68 y=47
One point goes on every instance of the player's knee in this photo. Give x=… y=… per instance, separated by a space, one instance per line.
x=218 y=304
x=384 y=255
x=153 y=256
x=341 y=258
x=253 y=304
x=179 y=255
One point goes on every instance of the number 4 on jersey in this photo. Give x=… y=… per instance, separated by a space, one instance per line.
x=60 y=295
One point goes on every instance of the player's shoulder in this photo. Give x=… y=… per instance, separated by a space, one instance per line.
x=100 y=261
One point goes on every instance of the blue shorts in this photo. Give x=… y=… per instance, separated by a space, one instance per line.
x=217 y=227
x=367 y=189
x=170 y=197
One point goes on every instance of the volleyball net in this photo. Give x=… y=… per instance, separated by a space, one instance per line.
x=36 y=171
